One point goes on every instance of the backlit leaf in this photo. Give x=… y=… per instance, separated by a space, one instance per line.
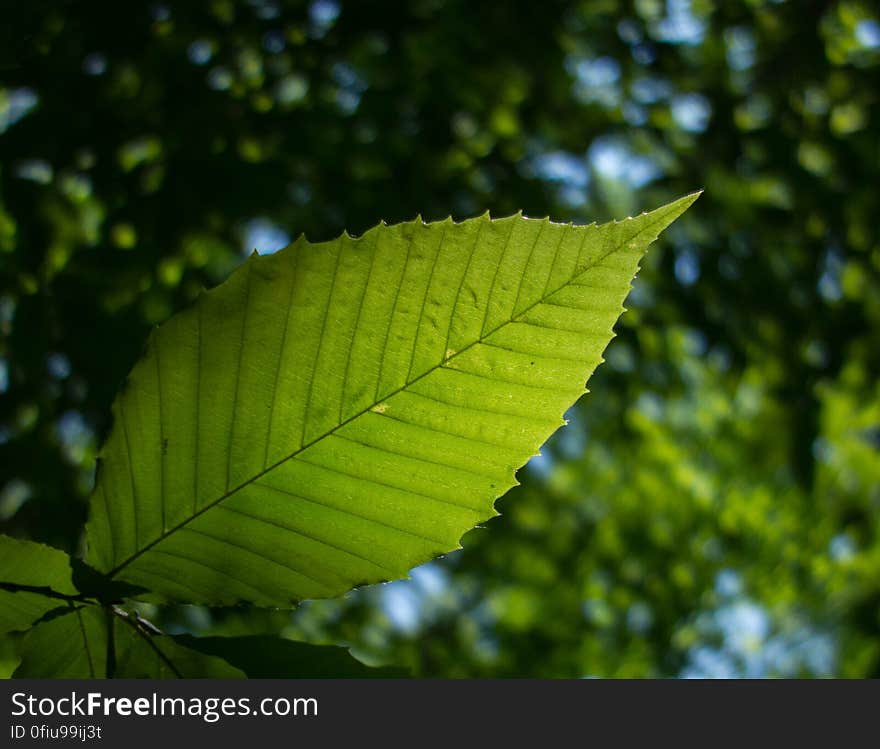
x=337 y=413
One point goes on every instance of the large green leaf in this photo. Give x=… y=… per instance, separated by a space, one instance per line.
x=34 y=579
x=337 y=413
x=75 y=646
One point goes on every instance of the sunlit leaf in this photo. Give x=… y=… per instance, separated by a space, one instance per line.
x=337 y=413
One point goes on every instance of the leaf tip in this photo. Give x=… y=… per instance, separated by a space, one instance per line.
x=671 y=211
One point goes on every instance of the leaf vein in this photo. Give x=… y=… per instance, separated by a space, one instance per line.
x=385 y=450
x=303 y=534
x=347 y=511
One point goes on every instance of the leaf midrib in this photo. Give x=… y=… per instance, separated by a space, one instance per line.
x=226 y=495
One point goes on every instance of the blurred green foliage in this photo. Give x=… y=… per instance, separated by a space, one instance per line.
x=714 y=508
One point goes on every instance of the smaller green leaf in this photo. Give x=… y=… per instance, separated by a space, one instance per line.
x=70 y=646
x=75 y=646
x=267 y=657
x=34 y=579
x=36 y=565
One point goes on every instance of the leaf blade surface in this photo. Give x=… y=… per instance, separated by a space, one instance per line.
x=337 y=413
x=34 y=578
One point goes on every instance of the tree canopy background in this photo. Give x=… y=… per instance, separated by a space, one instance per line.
x=714 y=508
